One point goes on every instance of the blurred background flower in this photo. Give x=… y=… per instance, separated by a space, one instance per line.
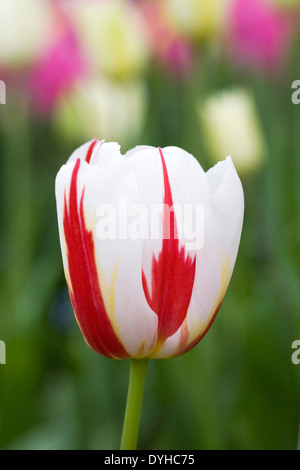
x=213 y=78
x=101 y=106
x=56 y=70
x=199 y=20
x=24 y=30
x=259 y=34
x=231 y=127
x=112 y=36
x=171 y=49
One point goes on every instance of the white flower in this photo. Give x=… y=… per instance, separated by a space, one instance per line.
x=24 y=29
x=136 y=296
x=231 y=125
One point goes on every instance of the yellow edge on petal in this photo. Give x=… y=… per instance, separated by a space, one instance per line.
x=225 y=276
x=156 y=349
x=108 y=294
x=107 y=290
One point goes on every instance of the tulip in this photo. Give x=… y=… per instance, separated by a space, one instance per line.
x=91 y=104
x=170 y=48
x=230 y=122
x=113 y=37
x=24 y=30
x=259 y=34
x=137 y=296
x=55 y=72
x=197 y=19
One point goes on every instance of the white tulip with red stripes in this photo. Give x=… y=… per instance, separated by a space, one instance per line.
x=147 y=296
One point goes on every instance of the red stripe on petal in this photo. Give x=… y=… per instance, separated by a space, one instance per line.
x=172 y=273
x=90 y=151
x=85 y=292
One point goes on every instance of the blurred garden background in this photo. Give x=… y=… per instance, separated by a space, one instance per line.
x=214 y=77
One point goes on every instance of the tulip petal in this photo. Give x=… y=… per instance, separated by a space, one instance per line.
x=172 y=274
x=84 y=288
x=215 y=261
x=222 y=232
x=108 y=196
x=85 y=151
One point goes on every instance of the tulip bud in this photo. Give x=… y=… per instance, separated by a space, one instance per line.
x=149 y=242
x=230 y=124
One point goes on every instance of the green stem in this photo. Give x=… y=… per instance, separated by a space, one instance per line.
x=138 y=368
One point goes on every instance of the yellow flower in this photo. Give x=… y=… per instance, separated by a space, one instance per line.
x=197 y=18
x=113 y=36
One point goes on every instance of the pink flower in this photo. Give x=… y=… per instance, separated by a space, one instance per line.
x=178 y=56
x=56 y=70
x=259 y=34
